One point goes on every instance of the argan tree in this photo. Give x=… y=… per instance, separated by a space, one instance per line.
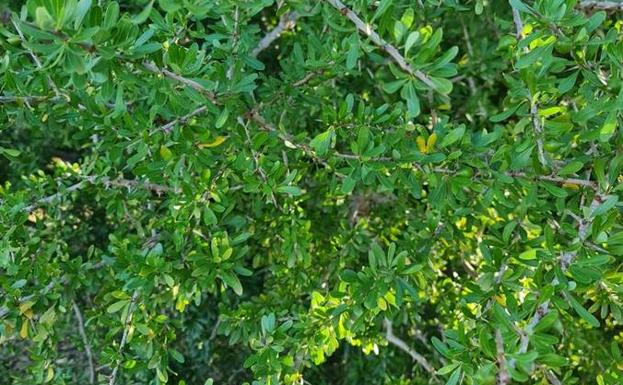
x=311 y=192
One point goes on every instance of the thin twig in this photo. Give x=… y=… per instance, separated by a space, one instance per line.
x=35 y=58
x=503 y=378
x=557 y=179
x=288 y=141
x=127 y=183
x=603 y=5
x=167 y=128
x=518 y=23
x=367 y=30
x=85 y=342
x=396 y=341
x=256 y=159
x=565 y=261
x=534 y=110
x=538 y=130
x=29 y=99
x=287 y=21
x=186 y=81
x=124 y=337
x=234 y=51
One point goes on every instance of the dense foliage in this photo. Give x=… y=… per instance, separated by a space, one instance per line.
x=289 y=192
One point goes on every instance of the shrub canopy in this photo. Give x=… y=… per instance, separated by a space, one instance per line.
x=311 y=192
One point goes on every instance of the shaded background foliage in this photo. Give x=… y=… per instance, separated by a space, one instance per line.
x=177 y=209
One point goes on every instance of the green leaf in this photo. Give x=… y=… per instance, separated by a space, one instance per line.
x=556 y=191
x=443 y=86
x=582 y=312
x=566 y=84
x=454 y=378
x=115 y=307
x=527 y=255
x=144 y=14
x=10 y=152
x=81 y=10
x=453 y=136
x=381 y=9
x=290 y=190
x=352 y=56
x=520 y=6
x=348 y=185
x=605 y=206
x=441 y=347
x=571 y=168
x=322 y=142
x=394 y=86
x=43 y=19
x=232 y=281
x=609 y=126
x=413 y=102
x=222 y=118
x=411 y=40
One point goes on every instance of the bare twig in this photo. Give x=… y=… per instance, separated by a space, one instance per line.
x=503 y=378
x=234 y=52
x=538 y=131
x=186 y=81
x=367 y=30
x=124 y=337
x=85 y=342
x=557 y=179
x=534 y=110
x=396 y=341
x=565 y=261
x=287 y=21
x=603 y=5
x=256 y=159
x=288 y=141
x=551 y=377
x=127 y=183
x=167 y=128
x=29 y=99
x=518 y=23
x=35 y=58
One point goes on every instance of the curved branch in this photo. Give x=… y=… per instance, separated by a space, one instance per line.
x=396 y=341
x=287 y=21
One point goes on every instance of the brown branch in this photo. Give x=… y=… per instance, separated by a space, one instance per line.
x=124 y=337
x=85 y=342
x=367 y=30
x=287 y=21
x=399 y=343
